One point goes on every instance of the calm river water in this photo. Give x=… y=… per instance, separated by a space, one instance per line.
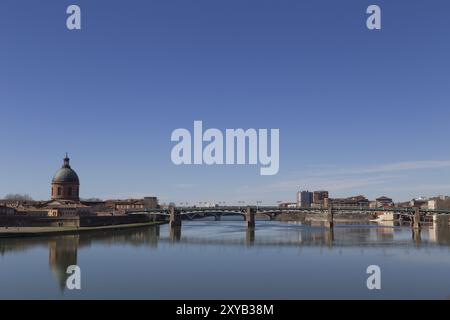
x=222 y=260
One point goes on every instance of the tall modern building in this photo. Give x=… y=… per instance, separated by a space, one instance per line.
x=65 y=183
x=304 y=199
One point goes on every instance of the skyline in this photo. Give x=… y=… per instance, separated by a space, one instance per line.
x=359 y=112
x=407 y=166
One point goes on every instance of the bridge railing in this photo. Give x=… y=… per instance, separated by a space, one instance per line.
x=262 y=209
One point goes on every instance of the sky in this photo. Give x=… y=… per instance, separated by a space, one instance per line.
x=359 y=111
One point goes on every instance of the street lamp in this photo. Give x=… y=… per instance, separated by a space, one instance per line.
x=258 y=203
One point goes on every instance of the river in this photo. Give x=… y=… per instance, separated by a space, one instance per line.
x=222 y=260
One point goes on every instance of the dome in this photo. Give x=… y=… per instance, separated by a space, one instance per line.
x=66 y=174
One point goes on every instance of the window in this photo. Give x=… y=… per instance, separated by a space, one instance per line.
x=70 y=192
x=59 y=191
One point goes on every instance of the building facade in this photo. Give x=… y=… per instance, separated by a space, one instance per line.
x=439 y=203
x=319 y=196
x=384 y=202
x=356 y=201
x=287 y=205
x=304 y=199
x=7 y=211
x=132 y=204
x=65 y=183
x=419 y=203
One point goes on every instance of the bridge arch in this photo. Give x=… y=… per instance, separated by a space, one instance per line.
x=211 y=213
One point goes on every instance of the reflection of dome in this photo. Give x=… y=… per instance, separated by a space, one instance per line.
x=65 y=183
x=62 y=254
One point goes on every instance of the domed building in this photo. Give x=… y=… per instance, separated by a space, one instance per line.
x=65 y=183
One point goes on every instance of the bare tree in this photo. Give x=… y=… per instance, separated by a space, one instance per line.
x=92 y=199
x=18 y=196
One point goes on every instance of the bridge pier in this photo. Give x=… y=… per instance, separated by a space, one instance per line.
x=329 y=223
x=416 y=219
x=175 y=218
x=250 y=218
x=217 y=217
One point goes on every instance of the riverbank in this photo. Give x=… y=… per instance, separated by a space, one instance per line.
x=13 y=232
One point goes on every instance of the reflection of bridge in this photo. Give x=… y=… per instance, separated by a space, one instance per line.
x=175 y=214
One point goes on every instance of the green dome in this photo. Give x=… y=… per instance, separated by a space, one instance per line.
x=66 y=174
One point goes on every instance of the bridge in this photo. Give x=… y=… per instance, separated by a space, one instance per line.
x=176 y=214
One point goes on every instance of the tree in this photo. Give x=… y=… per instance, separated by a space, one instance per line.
x=18 y=196
x=92 y=200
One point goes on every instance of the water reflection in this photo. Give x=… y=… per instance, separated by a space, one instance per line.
x=439 y=233
x=417 y=237
x=62 y=254
x=250 y=236
x=386 y=230
x=64 y=251
x=329 y=237
x=174 y=234
x=63 y=248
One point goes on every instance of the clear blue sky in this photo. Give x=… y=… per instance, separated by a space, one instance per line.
x=359 y=111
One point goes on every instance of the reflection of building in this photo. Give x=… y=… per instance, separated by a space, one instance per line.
x=250 y=236
x=386 y=230
x=440 y=231
x=65 y=183
x=304 y=199
x=175 y=234
x=62 y=254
